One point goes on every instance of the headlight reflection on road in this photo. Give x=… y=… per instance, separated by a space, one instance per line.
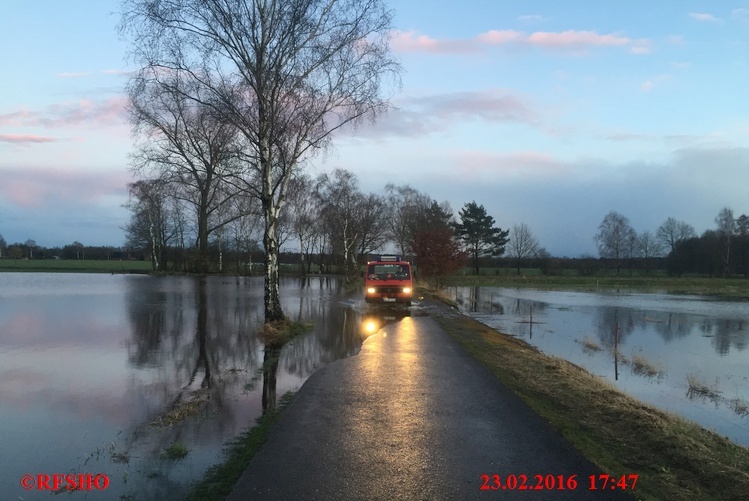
x=370 y=326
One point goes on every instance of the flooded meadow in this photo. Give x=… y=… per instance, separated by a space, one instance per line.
x=144 y=379
x=684 y=354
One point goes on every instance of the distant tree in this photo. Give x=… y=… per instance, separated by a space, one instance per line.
x=30 y=245
x=438 y=253
x=373 y=225
x=15 y=252
x=303 y=210
x=478 y=233
x=3 y=246
x=435 y=216
x=742 y=225
x=726 y=229
x=151 y=226
x=648 y=247
x=185 y=144
x=697 y=255
x=407 y=208
x=341 y=208
x=615 y=238
x=522 y=244
x=671 y=232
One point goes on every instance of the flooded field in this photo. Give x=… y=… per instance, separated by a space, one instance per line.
x=685 y=354
x=122 y=375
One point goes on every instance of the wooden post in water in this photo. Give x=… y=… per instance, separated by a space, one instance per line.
x=531 y=321
x=616 y=353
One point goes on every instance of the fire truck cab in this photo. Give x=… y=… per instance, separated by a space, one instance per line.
x=388 y=280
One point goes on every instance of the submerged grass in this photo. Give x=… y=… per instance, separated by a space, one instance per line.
x=280 y=332
x=590 y=345
x=175 y=451
x=674 y=458
x=739 y=406
x=644 y=367
x=219 y=480
x=182 y=410
x=699 y=388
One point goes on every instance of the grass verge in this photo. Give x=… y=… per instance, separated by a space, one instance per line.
x=674 y=458
x=219 y=480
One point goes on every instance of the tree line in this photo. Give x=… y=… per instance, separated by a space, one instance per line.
x=328 y=221
x=719 y=251
x=76 y=250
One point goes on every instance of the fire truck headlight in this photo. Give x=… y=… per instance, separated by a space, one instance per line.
x=371 y=290
x=406 y=290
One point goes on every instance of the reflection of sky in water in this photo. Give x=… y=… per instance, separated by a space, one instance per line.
x=681 y=335
x=87 y=361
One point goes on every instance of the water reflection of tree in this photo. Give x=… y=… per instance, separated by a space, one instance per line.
x=725 y=333
x=195 y=338
x=271 y=356
x=335 y=335
x=613 y=322
x=199 y=334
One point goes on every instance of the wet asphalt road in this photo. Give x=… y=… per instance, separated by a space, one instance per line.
x=411 y=417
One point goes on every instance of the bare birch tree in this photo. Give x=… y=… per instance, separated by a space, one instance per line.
x=341 y=209
x=288 y=74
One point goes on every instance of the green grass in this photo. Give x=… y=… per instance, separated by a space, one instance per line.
x=219 y=480
x=74 y=265
x=175 y=451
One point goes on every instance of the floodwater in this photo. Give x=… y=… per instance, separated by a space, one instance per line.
x=102 y=373
x=688 y=355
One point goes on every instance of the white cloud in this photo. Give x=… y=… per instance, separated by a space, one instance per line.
x=704 y=17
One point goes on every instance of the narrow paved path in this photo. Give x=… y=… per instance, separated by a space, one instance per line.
x=410 y=417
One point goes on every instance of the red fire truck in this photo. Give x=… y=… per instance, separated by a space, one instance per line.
x=388 y=280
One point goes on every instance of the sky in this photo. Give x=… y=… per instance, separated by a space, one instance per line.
x=546 y=113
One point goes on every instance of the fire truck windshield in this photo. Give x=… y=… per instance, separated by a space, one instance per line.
x=388 y=272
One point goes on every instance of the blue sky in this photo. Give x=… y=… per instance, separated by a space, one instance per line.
x=548 y=113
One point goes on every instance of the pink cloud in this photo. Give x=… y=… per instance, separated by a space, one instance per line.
x=95 y=113
x=48 y=186
x=575 y=39
x=411 y=41
x=25 y=138
x=499 y=37
x=519 y=164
